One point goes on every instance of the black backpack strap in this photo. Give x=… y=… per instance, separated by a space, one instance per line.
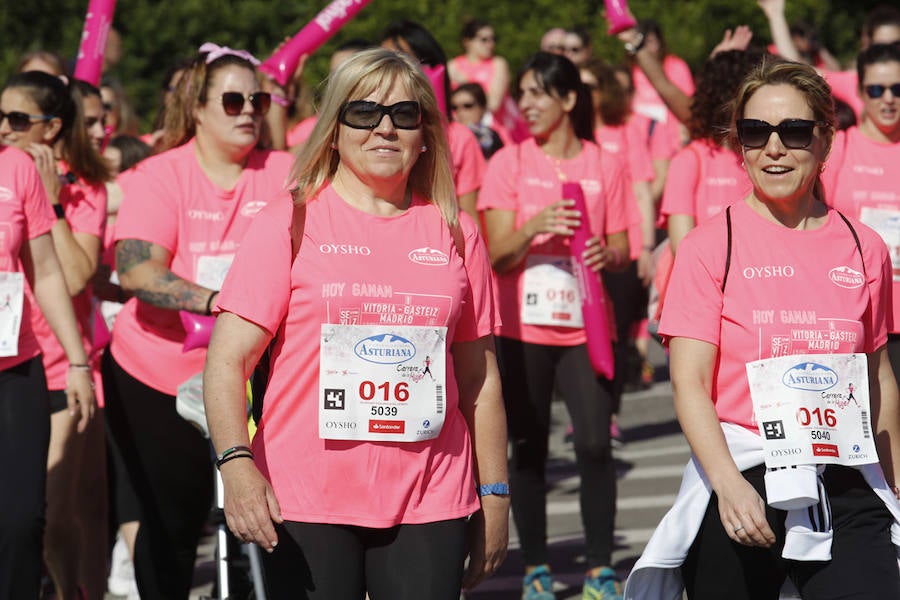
x=728 y=247
x=855 y=239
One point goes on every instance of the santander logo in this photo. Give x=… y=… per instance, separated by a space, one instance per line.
x=428 y=256
x=846 y=277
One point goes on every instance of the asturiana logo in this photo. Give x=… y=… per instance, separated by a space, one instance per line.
x=385 y=349
x=428 y=256
x=811 y=377
x=846 y=277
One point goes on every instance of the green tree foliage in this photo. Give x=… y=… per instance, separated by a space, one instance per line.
x=156 y=33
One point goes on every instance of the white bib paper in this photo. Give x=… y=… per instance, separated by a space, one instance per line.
x=211 y=270
x=12 y=290
x=813 y=409
x=550 y=292
x=382 y=383
x=886 y=223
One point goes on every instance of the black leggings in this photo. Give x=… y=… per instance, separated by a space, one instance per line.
x=629 y=298
x=863 y=563
x=528 y=373
x=24 y=440
x=166 y=461
x=316 y=561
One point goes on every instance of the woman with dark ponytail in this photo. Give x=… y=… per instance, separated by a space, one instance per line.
x=73 y=176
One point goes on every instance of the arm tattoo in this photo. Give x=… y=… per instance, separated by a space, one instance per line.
x=165 y=289
x=130 y=253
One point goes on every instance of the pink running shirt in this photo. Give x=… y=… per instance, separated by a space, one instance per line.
x=620 y=140
x=648 y=102
x=299 y=133
x=85 y=208
x=169 y=201
x=525 y=180
x=788 y=292
x=703 y=179
x=481 y=72
x=468 y=161
x=845 y=85
x=861 y=180
x=25 y=214
x=356 y=268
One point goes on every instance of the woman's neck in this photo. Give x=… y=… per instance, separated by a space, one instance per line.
x=561 y=143
x=384 y=198
x=869 y=129
x=803 y=213
x=223 y=165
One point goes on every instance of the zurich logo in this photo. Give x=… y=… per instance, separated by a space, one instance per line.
x=426 y=424
x=809 y=376
x=856 y=448
x=385 y=349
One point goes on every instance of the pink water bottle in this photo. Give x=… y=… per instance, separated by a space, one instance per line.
x=281 y=65
x=593 y=298
x=97 y=24
x=436 y=78
x=619 y=16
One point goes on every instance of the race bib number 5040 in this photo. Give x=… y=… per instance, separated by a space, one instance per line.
x=380 y=383
x=813 y=409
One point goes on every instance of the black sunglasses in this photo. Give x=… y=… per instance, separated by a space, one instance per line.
x=876 y=90
x=19 y=121
x=233 y=103
x=794 y=133
x=363 y=114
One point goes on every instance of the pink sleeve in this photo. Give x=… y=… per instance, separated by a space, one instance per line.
x=85 y=207
x=679 y=194
x=661 y=146
x=693 y=306
x=39 y=216
x=259 y=295
x=680 y=74
x=149 y=210
x=880 y=273
x=639 y=162
x=621 y=212
x=499 y=187
x=480 y=315
x=468 y=161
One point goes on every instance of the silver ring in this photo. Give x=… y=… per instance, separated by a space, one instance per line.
x=738 y=528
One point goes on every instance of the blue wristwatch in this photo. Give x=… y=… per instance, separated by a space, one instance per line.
x=494 y=489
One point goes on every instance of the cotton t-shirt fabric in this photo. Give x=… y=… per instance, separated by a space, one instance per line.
x=357 y=268
x=703 y=179
x=845 y=85
x=621 y=140
x=481 y=72
x=524 y=179
x=25 y=214
x=862 y=176
x=169 y=201
x=299 y=133
x=648 y=102
x=468 y=165
x=85 y=209
x=787 y=292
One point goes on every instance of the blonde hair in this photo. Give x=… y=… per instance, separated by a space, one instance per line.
x=361 y=75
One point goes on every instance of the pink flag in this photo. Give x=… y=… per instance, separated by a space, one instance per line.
x=280 y=66
x=97 y=24
x=593 y=297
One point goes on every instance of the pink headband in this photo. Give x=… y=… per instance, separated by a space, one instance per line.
x=215 y=51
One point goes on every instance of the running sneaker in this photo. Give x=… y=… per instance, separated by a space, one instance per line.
x=602 y=585
x=538 y=585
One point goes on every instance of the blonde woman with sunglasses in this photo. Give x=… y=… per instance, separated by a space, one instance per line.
x=183 y=215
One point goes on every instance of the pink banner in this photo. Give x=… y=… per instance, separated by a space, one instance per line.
x=593 y=297
x=618 y=15
x=97 y=24
x=281 y=65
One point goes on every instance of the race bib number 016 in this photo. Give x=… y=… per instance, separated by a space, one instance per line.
x=813 y=409
x=382 y=384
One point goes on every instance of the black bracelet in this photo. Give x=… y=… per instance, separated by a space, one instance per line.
x=59 y=211
x=229 y=451
x=222 y=461
x=209 y=303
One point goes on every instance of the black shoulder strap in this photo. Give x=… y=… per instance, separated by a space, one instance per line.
x=298 y=223
x=728 y=251
x=855 y=239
